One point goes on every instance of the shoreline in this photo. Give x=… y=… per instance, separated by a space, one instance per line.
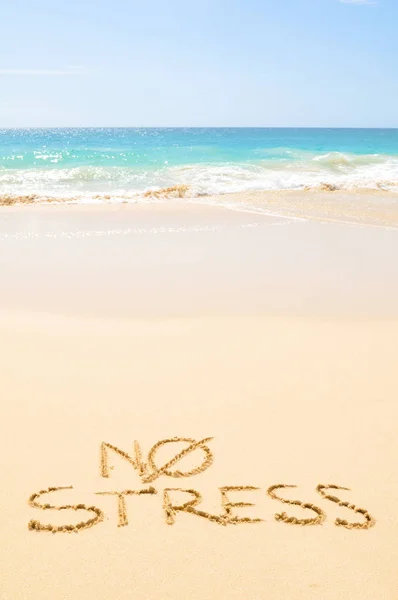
x=356 y=207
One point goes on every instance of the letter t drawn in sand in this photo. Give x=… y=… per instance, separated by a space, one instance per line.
x=122 y=510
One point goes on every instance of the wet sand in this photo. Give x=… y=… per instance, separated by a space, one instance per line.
x=180 y=259
x=368 y=206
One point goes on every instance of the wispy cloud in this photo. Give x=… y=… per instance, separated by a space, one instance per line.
x=80 y=70
x=360 y=2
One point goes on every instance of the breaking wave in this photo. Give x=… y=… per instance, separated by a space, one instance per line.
x=286 y=170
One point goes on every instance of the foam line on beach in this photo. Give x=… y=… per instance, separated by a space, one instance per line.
x=359 y=207
x=85 y=233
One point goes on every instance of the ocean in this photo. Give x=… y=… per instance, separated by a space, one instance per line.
x=105 y=164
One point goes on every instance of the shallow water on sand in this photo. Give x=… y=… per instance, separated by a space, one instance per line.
x=127 y=261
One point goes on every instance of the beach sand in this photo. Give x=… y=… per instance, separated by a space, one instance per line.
x=275 y=337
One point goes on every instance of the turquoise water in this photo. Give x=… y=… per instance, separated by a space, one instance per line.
x=83 y=163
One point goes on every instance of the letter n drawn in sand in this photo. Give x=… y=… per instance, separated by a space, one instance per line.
x=135 y=462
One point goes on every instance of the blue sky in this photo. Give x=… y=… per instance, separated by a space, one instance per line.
x=199 y=63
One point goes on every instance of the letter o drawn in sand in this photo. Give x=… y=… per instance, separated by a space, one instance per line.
x=166 y=468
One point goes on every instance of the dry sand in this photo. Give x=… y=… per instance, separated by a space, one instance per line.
x=301 y=393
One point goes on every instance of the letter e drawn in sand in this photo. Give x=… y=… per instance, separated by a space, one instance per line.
x=369 y=520
x=318 y=520
x=150 y=471
x=228 y=505
x=37 y=526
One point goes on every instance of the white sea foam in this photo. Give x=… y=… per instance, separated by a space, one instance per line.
x=95 y=233
x=307 y=170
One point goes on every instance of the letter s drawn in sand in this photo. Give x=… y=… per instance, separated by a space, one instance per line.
x=369 y=520
x=318 y=520
x=37 y=526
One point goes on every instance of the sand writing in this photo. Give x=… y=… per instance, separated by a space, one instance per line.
x=318 y=520
x=151 y=469
x=122 y=512
x=369 y=520
x=36 y=526
x=225 y=518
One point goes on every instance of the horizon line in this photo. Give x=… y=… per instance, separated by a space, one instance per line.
x=15 y=127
